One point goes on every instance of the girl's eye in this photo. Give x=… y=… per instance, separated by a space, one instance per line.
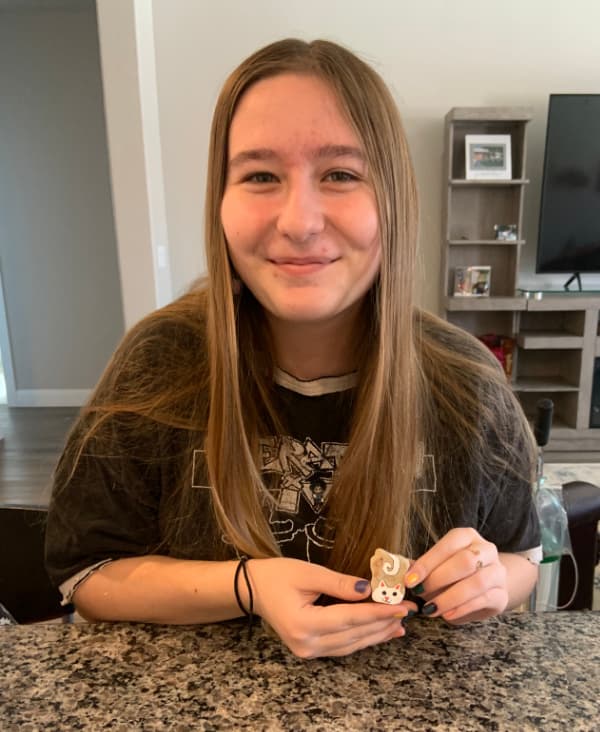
x=341 y=176
x=261 y=177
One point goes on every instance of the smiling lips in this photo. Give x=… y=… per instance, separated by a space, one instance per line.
x=299 y=266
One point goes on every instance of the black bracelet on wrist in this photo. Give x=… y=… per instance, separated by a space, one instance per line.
x=241 y=568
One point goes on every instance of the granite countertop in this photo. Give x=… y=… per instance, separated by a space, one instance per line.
x=518 y=672
x=561 y=473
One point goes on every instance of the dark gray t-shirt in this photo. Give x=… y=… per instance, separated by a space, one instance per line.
x=114 y=507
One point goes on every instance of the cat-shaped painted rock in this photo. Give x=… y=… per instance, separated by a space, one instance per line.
x=387 y=581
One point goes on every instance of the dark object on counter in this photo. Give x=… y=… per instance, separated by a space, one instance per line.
x=5 y=617
x=582 y=504
x=543 y=421
x=595 y=406
x=25 y=588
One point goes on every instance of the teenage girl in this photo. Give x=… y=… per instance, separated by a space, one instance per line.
x=296 y=408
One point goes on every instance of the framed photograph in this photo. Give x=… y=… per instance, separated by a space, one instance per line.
x=488 y=157
x=505 y=232
x=472 y=281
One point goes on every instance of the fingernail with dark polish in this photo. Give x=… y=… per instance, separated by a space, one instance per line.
x=410 y=613
x=418 y=589
x=361 y=586
x=430 y=608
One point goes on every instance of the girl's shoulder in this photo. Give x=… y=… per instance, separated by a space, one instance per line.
x=184 y=318
x=177 y=330
x=163 y=355
x=437 y=339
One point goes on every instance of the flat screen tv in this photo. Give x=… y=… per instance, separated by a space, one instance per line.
x=569 y=231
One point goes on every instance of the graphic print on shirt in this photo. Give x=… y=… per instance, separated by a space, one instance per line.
x=426 y=474
x=299 y=476
x=301 y=469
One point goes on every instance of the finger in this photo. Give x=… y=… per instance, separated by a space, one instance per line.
x=316 y=580
x=334 y=584
x=464 y=563
x=453 y=542
x=479 y=585
x=333 y=618
x=484 y=606
x=396 y=631
x=471 y=617
x=348 y=641
x=412 y=607
x=328 y=630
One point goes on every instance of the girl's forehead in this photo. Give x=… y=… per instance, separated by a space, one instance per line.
x=300 y=110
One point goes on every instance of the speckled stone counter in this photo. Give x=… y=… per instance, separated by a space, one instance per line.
x=519 y=672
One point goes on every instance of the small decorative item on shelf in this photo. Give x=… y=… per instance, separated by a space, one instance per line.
x=472 y=281
x=488 y=157
x=506 y=232
x=503 y=348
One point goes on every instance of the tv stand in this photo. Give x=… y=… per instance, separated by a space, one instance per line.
x=577 y=277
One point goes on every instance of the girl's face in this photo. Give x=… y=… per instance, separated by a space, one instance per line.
x=298 y=211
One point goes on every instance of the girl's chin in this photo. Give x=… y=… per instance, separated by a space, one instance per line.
x=304 y=313
x=301 y=316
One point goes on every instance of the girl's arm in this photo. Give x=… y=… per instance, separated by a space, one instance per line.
x=158 y=589
x=521 y=577
x=166 y=590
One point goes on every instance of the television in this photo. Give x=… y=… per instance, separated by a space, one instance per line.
x=569 y=226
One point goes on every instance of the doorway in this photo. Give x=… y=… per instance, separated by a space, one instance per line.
x=6 y=372
x=2 y=383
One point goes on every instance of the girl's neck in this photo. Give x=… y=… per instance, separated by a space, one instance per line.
x=313 y=350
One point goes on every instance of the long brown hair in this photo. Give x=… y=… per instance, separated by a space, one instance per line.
x=415 y=388
x=378 y=468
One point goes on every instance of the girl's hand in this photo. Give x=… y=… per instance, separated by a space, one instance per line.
x=285 y=591
x=461 y=577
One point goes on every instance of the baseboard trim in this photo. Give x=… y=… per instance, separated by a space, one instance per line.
x=50 y=397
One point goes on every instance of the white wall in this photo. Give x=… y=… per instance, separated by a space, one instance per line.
x=62 y=295
x=435 y=54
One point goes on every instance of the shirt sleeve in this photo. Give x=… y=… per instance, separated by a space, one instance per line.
x=506 y=513
x=109 y=509
x=508 y=517
x=115 y=486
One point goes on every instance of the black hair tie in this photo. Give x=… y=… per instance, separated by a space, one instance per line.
x=242 y=569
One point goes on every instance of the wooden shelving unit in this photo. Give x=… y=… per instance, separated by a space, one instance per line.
x=473 y=207
x=557 y=337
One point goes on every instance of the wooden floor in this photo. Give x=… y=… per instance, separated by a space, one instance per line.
x=33 y=440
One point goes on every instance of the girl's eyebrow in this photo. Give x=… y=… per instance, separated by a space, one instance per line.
x=325 y=151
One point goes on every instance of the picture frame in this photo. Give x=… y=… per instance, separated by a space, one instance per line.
x=488 y=157
x=472 y=281
x=506 y=232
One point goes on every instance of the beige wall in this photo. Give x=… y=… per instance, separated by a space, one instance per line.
x=435 y=54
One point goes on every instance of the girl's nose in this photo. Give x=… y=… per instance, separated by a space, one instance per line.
x=301 y=215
